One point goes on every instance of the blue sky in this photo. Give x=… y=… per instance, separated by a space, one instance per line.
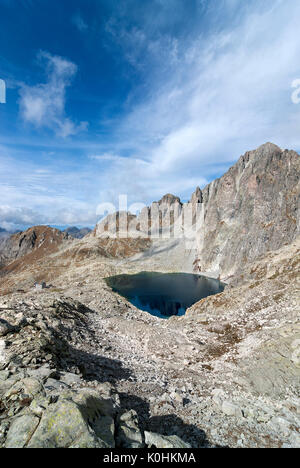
x=134 y=97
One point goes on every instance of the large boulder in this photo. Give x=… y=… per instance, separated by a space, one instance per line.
x=83 y=418
x=77 y=419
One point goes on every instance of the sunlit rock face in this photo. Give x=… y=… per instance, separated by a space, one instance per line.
x=252 y=209
x=161 y=216
x=118 y=224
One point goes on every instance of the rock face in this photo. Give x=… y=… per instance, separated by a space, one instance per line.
x=197 y=196
x=168 y=442
x=169 y=199
x=159 y=218
x=152 y=220
x=77 y=233
x=115 y=225
x=49 y=418
x=252 y=209
x=38 y=240
x=82 y=418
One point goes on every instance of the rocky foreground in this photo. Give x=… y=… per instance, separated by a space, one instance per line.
x=93 y=371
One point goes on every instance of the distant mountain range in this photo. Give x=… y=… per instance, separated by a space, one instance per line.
x=73 y=231
x=77 y=233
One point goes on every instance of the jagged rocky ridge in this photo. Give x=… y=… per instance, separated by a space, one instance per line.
x=38 y=240
x=252 y=209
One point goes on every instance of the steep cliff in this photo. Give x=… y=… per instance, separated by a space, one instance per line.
x=252 y=209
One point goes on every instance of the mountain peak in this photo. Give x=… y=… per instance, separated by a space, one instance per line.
x=169 y=199
x=268 y=148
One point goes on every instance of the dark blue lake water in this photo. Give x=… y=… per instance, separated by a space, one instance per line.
x=164 y=295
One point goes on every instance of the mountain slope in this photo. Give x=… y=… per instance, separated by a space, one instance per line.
x=77 y=233
x=252 y=209
x=35 y=242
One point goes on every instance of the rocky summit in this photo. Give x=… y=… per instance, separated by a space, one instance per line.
x=80 y=366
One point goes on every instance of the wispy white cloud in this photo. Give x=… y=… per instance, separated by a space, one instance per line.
x=229 y=90
x=79 y=22
x=43 y=105
x=53 y=193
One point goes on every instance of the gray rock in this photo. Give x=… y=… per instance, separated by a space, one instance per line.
x=4 y=375
x=69 y=378
x=80 y=420
x=42 y=373
x=160 y=441
x=128 y=433
x=231 y=409
x=249 y=193
x=28 y=386
x=21 y=431
x=55 y=385
x=5 y=327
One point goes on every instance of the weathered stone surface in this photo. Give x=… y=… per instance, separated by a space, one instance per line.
x=43 y=373
x=69 y=424
x=28 y=386
x=4 y=375
x=69 y=379
x=129 y=435
x=253 y=208
x=160 y=441
x=5 y=327
x=55 y=385
x=73 y=419
x=36 y=239
x=231 y=409
x=21 y=431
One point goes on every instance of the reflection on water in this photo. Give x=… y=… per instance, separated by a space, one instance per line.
x=164 y=295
